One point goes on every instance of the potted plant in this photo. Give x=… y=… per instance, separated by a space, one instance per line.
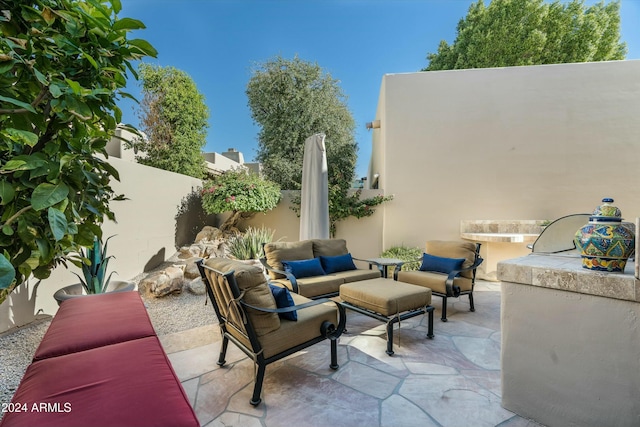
x=94 y=264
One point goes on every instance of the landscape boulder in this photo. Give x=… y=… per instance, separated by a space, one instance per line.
x=165 y=282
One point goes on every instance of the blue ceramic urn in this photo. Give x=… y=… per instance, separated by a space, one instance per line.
x=606 y=242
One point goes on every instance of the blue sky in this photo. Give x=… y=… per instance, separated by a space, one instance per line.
x=217 y=42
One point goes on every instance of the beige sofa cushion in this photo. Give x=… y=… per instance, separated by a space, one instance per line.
x=329 y=247
x=251 y=280
x=312 y=287
x=454 y=249
x=356 y=275
x=433 y=281
x=276 y=252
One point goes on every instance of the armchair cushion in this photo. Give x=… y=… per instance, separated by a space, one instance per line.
x=306 y=328
x=329 y=247
x=440 y=264
x=304 y=268
x=434 y=281
x=312 y=287
x=283 y=300
x=276 y=252
x=454 y=249
x=251 y=280
x=332 y=264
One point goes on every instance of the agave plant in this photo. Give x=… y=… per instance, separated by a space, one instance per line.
x=249 y=245
x=94 y=267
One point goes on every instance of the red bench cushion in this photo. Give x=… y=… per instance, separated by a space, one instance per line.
x=95 y=321
x=126 y=384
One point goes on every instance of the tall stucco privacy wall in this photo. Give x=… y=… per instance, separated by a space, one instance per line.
x=536 y=142
x=145 y=232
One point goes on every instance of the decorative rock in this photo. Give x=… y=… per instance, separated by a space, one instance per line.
x=215 y=248
x=208 y=233
x=191 y=269
x=168 y=281
x=196 y=287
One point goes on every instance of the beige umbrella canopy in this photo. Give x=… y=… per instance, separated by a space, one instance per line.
x=314 y=198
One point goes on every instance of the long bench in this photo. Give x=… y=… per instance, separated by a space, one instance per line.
x=100 y=363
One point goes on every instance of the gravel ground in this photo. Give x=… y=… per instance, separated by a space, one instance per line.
x=170 y=314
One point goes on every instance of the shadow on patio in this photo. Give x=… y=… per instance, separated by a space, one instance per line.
x=452 y=380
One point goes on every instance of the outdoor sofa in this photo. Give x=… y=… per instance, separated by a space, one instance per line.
x=313 y=268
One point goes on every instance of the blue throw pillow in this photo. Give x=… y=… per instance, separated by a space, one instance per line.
x=440 y=264
x=304 y=268
x=332 y=264
x=283 y=299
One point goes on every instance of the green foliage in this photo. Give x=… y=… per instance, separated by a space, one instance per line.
x=241 y=193
x=248 y=245
x=174 y=117
x=291 y=100
x=405 y=253
x=343 y=205
x=528 y=32
x=94 y=267
x=63 y=66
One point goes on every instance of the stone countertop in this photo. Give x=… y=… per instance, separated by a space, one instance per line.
x=500 y=237
x=565 y=272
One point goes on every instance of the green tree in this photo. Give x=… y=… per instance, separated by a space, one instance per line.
x=63 y=66
x=240 y=192
x=174 y=118
x=529 y=32
x=291 y=100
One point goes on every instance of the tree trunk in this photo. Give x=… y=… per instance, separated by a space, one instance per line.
x=231 y=224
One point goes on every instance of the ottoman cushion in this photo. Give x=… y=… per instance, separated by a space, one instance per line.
x=384 y=296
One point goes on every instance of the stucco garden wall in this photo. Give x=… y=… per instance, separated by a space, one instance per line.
x=363 y=236
x=145 y=232
x=515 y=143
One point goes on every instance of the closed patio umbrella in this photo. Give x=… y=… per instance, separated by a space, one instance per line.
x=314 y=199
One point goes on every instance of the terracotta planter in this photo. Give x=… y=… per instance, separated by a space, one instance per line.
x=77 y=291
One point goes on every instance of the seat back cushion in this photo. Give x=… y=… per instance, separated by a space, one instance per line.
x=251 y=280
x=329 y=247
x=276 y=252
x=454 y=249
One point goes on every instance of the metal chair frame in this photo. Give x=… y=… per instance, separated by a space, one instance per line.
x=453 y=290
x=327 y=331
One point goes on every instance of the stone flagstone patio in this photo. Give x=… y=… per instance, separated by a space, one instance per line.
x=450 y=381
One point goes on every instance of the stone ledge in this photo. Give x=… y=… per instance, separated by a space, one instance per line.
x=565 y=272
x=500 y=237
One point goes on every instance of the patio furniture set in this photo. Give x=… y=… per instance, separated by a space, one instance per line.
x=94 y=359
x=269 y=319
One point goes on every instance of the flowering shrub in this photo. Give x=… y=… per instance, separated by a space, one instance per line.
x=241 y=193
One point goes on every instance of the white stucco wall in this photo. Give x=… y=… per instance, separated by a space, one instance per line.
x=534 y=142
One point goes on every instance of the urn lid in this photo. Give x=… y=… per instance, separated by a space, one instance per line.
x=606 y=212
